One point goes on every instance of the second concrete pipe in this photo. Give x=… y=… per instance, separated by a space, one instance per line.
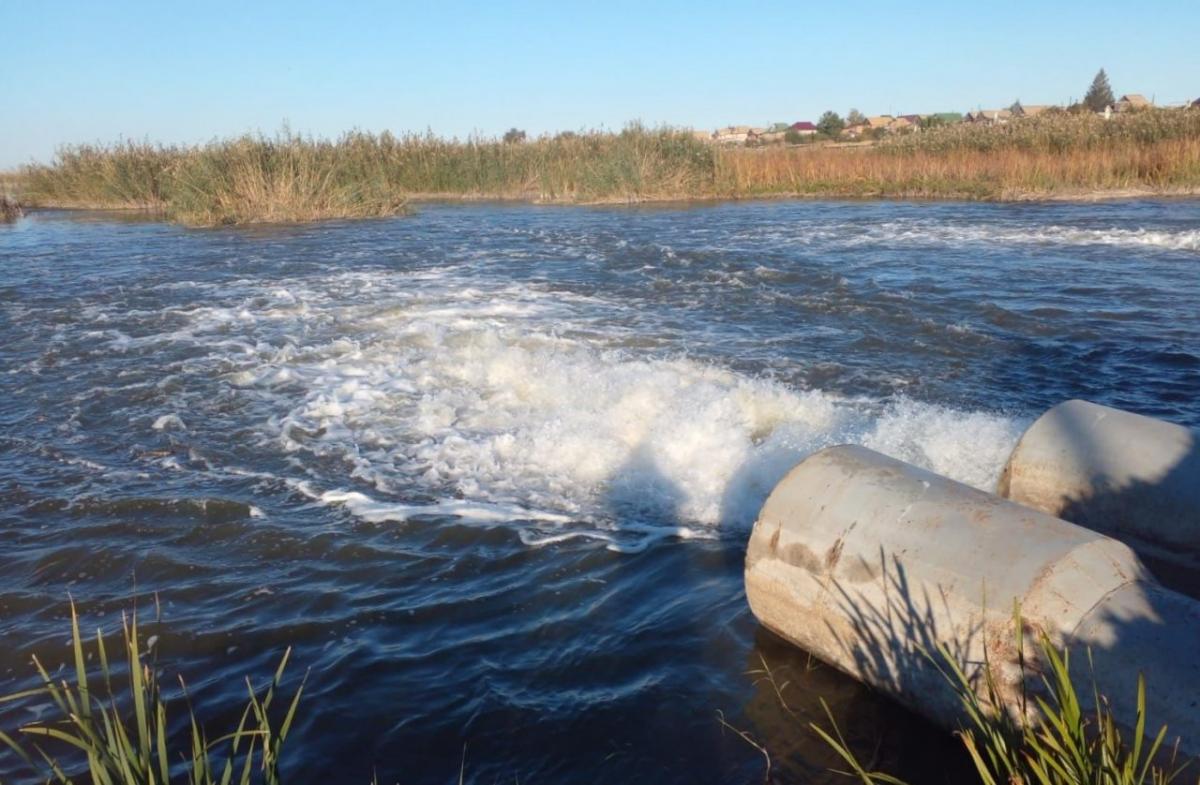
x=1129 y=476
x=870 y=564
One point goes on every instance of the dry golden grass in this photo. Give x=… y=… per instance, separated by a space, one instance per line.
x=1171 y=166
x=293 y=178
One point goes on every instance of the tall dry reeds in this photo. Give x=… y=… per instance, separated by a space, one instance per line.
x=289 y=177
x=255 y=179
x=1166 y=166
x=293 y=178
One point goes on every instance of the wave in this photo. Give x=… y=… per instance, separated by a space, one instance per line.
x=1185 y=240
x=924 y=232
x=492 y=416
x=416 y=397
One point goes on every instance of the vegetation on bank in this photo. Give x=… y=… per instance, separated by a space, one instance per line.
x=289 y=177
x=293 y=178
x=1044 y=156
x=10 y=208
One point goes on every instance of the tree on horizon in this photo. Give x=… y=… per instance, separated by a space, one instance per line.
x=1100 y=94
x=830 y=124
x=855 y=117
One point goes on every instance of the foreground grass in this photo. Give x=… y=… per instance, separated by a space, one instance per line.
x=293 y=178
x=1064 y=745
x=112 y=727
x=99 y=737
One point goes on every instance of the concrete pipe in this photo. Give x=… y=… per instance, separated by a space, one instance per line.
x=870 y=564
x=1129 y=476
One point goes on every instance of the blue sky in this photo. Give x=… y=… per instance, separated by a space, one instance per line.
x=186 y=72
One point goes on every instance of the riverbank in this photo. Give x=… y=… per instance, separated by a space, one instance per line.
x=286 y=178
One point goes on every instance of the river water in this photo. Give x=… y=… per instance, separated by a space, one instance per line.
x=490 y=469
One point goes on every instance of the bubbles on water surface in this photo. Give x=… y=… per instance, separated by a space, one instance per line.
x=438 y=399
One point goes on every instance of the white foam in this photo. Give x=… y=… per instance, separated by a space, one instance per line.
x=169 y=421
x=434 y=394
x=926 y=232
x=1001 y=234
x=507 y=421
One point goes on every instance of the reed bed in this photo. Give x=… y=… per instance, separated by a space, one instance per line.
x=1050 y=155
x=288 y=177
x=1168 y=166
x=293 y=178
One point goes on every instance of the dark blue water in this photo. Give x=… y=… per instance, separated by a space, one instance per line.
x=490 y=469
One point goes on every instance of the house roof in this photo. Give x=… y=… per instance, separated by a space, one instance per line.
x=915 y=119
x=879 y=121
x=1134 y=99
x=803 y=125
x=1033 y=110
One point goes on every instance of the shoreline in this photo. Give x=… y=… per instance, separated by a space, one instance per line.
x=1083 y=196
x=292 y=179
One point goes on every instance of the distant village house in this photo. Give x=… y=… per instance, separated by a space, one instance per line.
x=989 y=116
x=733 y=134
x=1033 y=110
x=1131 y=103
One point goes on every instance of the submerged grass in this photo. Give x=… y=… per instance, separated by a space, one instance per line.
x=288 y=177
x=119 y=734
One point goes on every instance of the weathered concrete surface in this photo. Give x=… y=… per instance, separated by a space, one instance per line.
x=1128 y=476
x=870 y=563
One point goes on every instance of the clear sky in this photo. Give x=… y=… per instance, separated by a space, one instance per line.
x=189 y=71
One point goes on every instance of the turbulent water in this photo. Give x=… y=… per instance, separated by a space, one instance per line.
x=490 y=469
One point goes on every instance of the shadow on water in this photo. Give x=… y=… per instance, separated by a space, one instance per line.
x=886 y=641
x=789 y=686
x=778 y=690
x=640 y=495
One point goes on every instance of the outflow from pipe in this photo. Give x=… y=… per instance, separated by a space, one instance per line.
x=1131 y=477
x=872 y=564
